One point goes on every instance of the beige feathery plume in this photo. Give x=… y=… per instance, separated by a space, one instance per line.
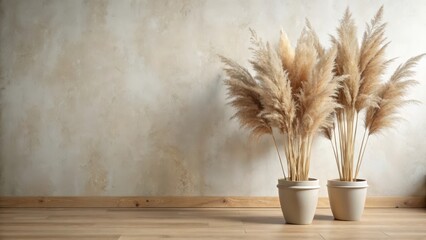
x=286 y=52
x=317 y=44
x=391 y=96
x=372 y=62
x=277 y=95
x=317 y=95
x=327 y=131
x=347 y=60
x=304 y=60
x=245 y=98
x=329 y=125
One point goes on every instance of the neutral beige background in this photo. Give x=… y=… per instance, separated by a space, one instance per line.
x=127 y=97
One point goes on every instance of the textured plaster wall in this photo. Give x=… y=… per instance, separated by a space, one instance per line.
x=126 y=97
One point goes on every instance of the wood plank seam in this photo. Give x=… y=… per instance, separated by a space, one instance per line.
x=190 y=202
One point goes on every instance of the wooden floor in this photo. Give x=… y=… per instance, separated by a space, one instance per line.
x=265 y=223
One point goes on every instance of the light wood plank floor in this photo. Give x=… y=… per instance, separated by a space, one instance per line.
x=265 y=223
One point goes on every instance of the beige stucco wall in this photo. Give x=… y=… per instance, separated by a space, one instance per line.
x=126 y=97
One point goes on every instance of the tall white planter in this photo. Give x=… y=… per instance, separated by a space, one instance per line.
x=298 y=200
x=347 y=199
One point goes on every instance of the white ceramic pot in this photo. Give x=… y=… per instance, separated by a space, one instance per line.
x=298 y=200
x=347 y=199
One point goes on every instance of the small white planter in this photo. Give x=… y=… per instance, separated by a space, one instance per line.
x=347 y=199
x=298 y=200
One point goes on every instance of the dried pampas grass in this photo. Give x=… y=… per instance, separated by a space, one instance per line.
x=362 y=90
x=294 y=91
x=303 y=90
